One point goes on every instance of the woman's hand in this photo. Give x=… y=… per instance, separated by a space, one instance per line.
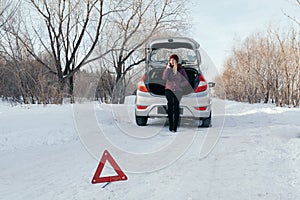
x=168 y=66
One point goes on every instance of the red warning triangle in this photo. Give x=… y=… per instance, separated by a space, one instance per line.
x=107 y=157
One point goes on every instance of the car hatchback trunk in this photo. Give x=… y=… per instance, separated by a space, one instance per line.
x=156 y=85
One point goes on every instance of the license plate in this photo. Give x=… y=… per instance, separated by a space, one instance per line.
x=163 y=110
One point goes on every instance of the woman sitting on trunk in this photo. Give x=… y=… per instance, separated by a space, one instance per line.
x=176 y=79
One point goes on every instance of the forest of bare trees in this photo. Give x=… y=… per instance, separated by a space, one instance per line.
x=265 y=68
x=46 y=45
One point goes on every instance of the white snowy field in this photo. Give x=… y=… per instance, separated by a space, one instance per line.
x=43 y=156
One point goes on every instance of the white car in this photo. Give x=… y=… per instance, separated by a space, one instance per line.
x=150 y=96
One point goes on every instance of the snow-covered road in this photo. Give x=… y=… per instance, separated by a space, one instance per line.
x=257 y=155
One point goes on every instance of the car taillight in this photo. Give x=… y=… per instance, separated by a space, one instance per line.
x=141 y=107
x=201 y=108
x=141 y=84
x=202 y=86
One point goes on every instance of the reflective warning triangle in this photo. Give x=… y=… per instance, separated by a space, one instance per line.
x=107 y=157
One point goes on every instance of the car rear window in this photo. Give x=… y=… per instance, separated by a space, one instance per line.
x=186 y=56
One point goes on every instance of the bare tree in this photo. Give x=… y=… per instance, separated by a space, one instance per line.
x=129 y=30
x=7 y=10
x=293 y=18
x=22 y=75
x=69 y=33
x=105 y=86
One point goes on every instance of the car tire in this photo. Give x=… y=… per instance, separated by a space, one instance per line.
x=205 y=122
x=141 y=120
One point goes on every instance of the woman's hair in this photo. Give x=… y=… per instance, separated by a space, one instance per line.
x=175 y=57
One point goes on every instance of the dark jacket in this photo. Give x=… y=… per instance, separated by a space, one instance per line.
x=175 y=82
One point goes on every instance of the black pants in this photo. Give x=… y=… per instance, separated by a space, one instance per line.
x=173 y=99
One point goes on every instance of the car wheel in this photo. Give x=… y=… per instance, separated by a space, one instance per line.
x=141 y=120
x=205 y=122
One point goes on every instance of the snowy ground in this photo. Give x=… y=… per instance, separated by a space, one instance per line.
x=257 y=156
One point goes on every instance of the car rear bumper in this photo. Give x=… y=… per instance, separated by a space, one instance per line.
x=195 y=105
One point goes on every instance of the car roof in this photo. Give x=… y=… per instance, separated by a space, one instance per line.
x=173 y=43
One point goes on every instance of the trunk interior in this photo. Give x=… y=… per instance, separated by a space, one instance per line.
x=156 y=85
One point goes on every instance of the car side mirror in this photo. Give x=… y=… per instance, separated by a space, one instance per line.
x=211 y=84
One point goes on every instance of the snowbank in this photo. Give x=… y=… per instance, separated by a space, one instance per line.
x=256 y=157
x=26 y=126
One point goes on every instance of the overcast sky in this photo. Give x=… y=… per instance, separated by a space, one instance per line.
x=218 y=25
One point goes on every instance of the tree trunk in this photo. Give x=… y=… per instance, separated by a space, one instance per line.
x=71 y=90
x=267 y=97
x=59 y=92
